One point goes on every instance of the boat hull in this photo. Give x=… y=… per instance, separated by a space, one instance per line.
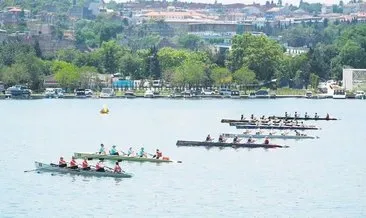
x=119 y=158
x=54 y=168
x=225 y=144
x=302 y=118
x=276 y=127
x=228 y=135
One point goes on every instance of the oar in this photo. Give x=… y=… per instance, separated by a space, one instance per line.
x=27 y=171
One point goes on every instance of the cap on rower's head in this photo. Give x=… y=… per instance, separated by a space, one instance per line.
x=113 y=146
x=72 y=157
x=157 y=149
x=61 y=158
x=101 y=145
x=117 y=163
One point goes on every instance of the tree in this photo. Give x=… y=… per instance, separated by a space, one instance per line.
x=152 y=64
x=37 y=49
x=244 y=76
x=190 y=73
x=66 y=74
x=314 y=80
x=221 y=76
x=109 y=56
x=190 y=41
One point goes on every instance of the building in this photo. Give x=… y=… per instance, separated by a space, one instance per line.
x=354 y=79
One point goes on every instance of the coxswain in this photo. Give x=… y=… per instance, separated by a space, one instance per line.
x=266 y=141
x=316 y=116
x=85 y=165
x=236 y=139
x=142 y=152
x=73 y=164
x=100 y=167
x=62 y=162
x=242 y=117
x=158 y=154
x=113 y=151
x=250 y=140
x=208 y=138
x=101 y=149
x=327 y=117
x=130 y=152
x=117 y=168
x=221 y=138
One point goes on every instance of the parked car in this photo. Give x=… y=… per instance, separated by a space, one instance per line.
x=88 y=92
x=149 y=94
x=59 y=92
x=49 y=93
x=80 y=93
x=225 y=92
x=18 y=91
x=207 y=92
x=107 y=93
x=235 y=94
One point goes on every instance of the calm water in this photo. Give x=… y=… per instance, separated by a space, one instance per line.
x=312 y=178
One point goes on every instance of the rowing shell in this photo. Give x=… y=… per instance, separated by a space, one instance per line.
x=243 y=126
x=55 y=168
x=119 y=158
x=225 y=144
x=301 y=118
x=228 y=135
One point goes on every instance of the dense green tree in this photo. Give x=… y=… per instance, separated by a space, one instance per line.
x=221 y=76
x=190 y=41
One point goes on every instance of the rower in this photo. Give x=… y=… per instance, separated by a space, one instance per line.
x=221 y=138
x=158 y=154
x=142 y=152
x=236 y=139
x=62 y=162
x=85 y=165
x=306 y=115
x=101 y=149
x=117 y=168
x=208 y=138
x=113 y=151
x=73 y=164
x=252 y=117
x=242 y=117
x=250 y=140
x=130 y=152
x=263 y=117
x=297 y=133
x=266 y=141
x=100 y=166
x=285 y=114
x=327 y=117
x=296 y=115
x=316 y=116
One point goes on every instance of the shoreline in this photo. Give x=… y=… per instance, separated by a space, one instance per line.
x=198 y=97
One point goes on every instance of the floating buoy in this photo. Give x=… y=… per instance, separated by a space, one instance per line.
x=105 y=110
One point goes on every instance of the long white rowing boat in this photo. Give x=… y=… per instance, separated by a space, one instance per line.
x=228 y=135
x=55 y=168
x=120 y=157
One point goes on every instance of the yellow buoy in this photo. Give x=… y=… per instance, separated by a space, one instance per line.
x=105 y=110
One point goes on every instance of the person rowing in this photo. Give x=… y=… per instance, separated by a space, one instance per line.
x=297 y=133
x=85 y=164
x=296 y=115
x=250 y=140
x=252 y=117
x=158 y=154
x=208 y=138
x=306 y=115
x=100 y=166
x=142 y=152
x=266 y=141
x=62 y=162
x=130 y=152
x=327 y=117
x=221 y=138
x=101 y=149
x=286 y=114
x=113 y=151
x=316 y=116
x=73 y=163
x=236 y=139
x=117 y=168
x=242 y=117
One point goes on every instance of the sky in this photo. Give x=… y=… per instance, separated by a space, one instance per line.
x=294 y=2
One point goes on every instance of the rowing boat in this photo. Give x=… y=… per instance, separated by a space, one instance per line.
x=227 y=144
x=228 y=135
x=55 y=168
x=301 y=118
x=120 y=157
x=269 y=124
x=244 y=126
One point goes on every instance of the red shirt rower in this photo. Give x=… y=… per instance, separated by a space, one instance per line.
x=117 y=168
x=62 y=162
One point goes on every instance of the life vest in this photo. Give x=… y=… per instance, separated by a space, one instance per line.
x=117 y=169
x=85 y=164
x=73 y=163
x=159 y=154
x=99 y=166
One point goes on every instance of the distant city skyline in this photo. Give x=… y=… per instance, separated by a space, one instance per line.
x=296 y=2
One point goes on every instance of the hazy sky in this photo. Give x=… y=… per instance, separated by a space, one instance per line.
x=294 y=2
